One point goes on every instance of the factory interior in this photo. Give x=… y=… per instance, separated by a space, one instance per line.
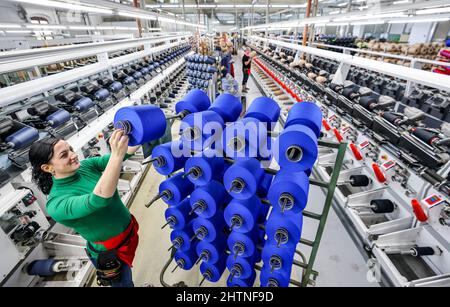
x=207 y=143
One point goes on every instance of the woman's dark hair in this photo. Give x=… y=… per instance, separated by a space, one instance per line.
x=41 y=153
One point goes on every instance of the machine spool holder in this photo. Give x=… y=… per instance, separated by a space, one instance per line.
x=309 y=274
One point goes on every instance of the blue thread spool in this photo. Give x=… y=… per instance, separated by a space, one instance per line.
x=185 y=259
x=208 y=199
x=243 y=178
x=181 y=239
x=83 y=104
x=42 y=267
x=274 y=279
x=295 y=149
x=210 y=229
x=23 y=137
x=178 y=216
x=144 y=70
x=213 y=272
x=307 y=114
x=241 y=215
x=194 y=101
x=141 y=123
x=284 y=229
x=228 y=106
x=240 y=267
x=289 y=191
x=115 y=87
x=128 y=80
x=244 y=139
x=264 y=109
x=238 y=282
x=243 y=244
x=204 y=167
x=175 y=189
x=101 y=94
x=166 y=163
x=210 y=252
x=198 y=130
x=58 y=118
x=264 y=187
x=278 y=259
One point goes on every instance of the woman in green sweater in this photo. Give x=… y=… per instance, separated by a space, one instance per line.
x=83 y=195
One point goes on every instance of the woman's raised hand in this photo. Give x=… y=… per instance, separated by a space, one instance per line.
x=119 y=143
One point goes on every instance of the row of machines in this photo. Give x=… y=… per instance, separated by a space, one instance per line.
x=400 y=212
x=35 y=250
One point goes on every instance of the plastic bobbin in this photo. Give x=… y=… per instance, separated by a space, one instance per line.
x=23 y=137
x=213 y=271
x=378 y=173
x=228 y=106
x=194 y=101
x=240 y=267
x=326 y=125
x=185 y=259
x=58 y=118
x=265 y=184
x=178 y=216
x=241 y=215
x=181 y=238
x=338 y=135
x=289 y=191
x=295 y=149
x=305 y=113
x=278 y=259
x=210 y=229
x=178 y=189
x=418 y=211
x=274 y=279
x=243 y=178
x=244 y=139
x=204 y=167
x=42 y=267
x=264 y=109
x=199 y=130
x=210 y=252
x=284 y=229
x=165 y=161
x=238 y=282
x=243 y=244
x=206 y=200
x=142 y=124
x=356 y=152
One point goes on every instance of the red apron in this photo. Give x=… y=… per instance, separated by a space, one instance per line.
x=127 y=251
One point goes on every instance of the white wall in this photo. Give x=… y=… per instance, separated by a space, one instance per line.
x=420 y=32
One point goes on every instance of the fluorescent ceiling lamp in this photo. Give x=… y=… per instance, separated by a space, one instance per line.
x=363 y=7
x=18 y=31
x=334 y=12
x=9 y=26
x=260 y=5
x=135 y=15
x=288 y=15
x=320 y=25
x=434 y=11
x=40 y=26
x=298 y=5
x=401 y=2
x=366 y=17
x=343 y=4
x=67 y=6
x=225 y=5
x=243 y=5
x=105 y=28
x=279 y=5
x=215 y=22
x=367 y=23
x=419 y=20
x=339 y=24
x=230 y=21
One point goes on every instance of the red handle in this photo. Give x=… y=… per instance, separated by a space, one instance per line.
x=378 y=173
x=418 y=211
x=325 y=125
x=338 y=135
x=356 y=152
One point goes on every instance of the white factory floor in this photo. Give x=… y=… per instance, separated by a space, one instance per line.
x=338 y=262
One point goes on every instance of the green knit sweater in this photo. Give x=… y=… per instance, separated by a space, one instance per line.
x=72 y=203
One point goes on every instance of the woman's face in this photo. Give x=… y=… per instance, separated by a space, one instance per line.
x=64 y=161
